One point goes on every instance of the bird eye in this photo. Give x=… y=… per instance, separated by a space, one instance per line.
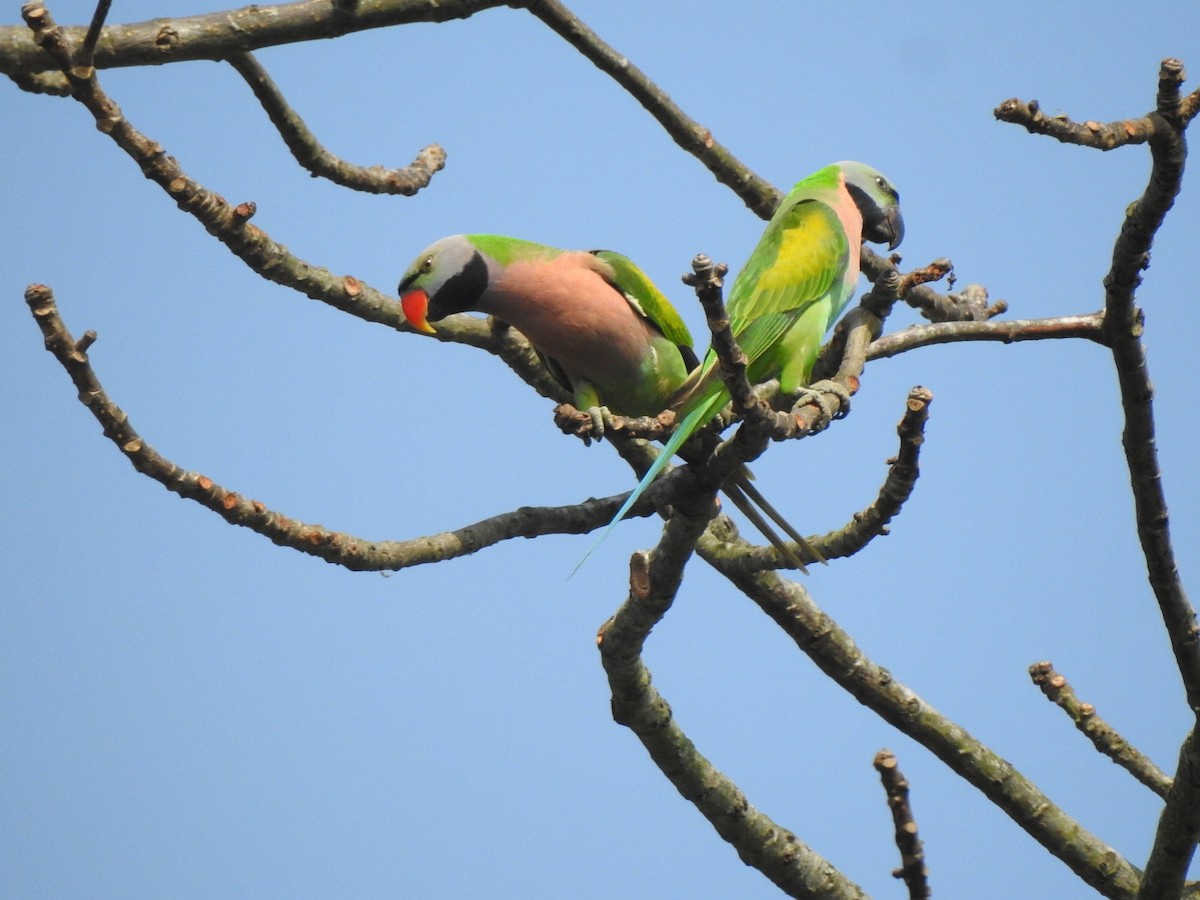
x=426 y=265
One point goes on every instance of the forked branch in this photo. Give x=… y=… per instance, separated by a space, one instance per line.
x=231 y=225
x=833 y=650
x=654 y=581
x=1163 y=129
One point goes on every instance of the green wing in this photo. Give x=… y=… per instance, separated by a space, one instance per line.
x=802 y=255
x=634 y=283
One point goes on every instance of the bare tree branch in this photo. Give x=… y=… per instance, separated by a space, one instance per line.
x=912 y=855
x=1088 y=134
x=52 y=83
x=1175 y=838
x=1105 y=738
x=1124 y=326
x=268 y=258
x=758 y=194
x=1179 y=825
x=707 y=278
x=903 y=471
x=320 y=162
x=969 y=305
x=869 y=523
x=1089 y=327
x=761 y=843
x=228 y=223
x=215 y=35
x=826 y=644
x=88 y=49
x=339 y=548
x=1163 y=129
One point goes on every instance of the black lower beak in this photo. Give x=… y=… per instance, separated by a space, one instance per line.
x=895 y=225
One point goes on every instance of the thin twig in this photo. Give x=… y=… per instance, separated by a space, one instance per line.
x=1189 y=106
x=707 y=279
x=912 y=855
x=1103 y=736
x=731 y=364
x=87 y=49
x=1089 y=327
x=914 y=287
x=903 y=471
x=309 y=152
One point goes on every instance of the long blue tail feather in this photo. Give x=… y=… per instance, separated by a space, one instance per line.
x=690 y=424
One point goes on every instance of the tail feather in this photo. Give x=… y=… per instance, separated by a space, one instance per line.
x=734 y=492
x=691 y=423
x=739 y=489
x=754 y=496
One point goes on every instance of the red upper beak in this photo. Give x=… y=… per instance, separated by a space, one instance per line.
x=416 y=306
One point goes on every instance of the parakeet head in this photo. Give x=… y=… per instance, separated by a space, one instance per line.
x=448 y=276
x=878 y=202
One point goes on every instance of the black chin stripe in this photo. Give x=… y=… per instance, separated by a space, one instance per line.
x=868 y=207
x=874 y=219
x=461 y=291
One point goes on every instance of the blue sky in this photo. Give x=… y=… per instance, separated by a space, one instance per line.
x=190 y=710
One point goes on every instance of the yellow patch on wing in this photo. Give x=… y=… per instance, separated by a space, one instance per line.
x=809 y=252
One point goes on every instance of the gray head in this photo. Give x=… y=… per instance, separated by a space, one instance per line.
x=878 y=202
x=448 y=276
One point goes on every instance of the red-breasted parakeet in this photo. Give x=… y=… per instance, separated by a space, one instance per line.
x=602 y=328
x=789 y=293
x=605 y=332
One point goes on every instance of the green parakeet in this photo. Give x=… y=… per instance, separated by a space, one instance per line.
x=793 y=287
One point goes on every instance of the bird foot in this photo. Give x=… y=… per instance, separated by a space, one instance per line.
x=817 y=394
x=601 y=419
x=586 y=424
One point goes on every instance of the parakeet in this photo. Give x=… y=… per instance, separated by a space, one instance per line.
x=602 y=328
x=794 y=286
